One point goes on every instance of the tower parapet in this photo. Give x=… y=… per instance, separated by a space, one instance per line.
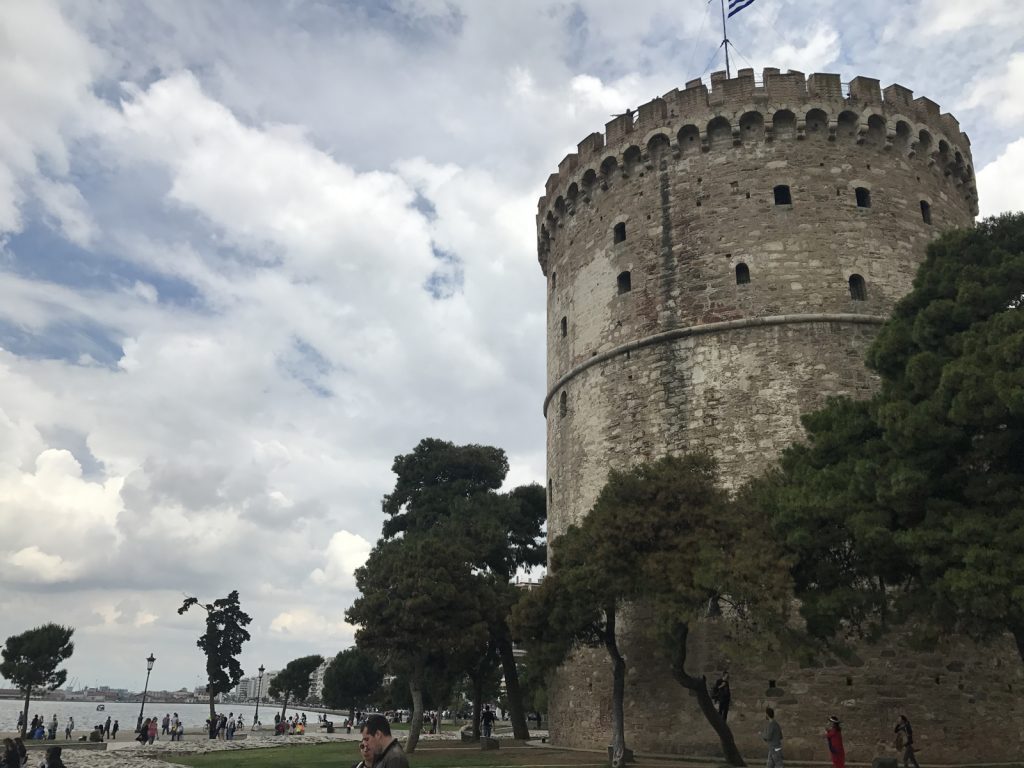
x=781 y=106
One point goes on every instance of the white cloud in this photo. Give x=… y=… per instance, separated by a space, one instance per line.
x=591 y=92
x=46 y=72
x=66 y=205
x=34 y=565
x=344 y=553
x=305 y=623
x=999 y=95
x=819 y=48
x=941 y=17
x=66 y=524
x=1001 y=182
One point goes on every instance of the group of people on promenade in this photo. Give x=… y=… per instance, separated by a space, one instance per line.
x=39 y=729
x=292 y=725
x=224 y=726
x=772 y=735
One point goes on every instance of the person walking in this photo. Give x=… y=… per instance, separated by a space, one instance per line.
x=106 y=727
x=905 y=735
x=69 y=728
x=487 y=721
x=722 y=694
x=152 y=730
x=834 y=737
x=54 y=725
x=113 y=732
x=772 y=734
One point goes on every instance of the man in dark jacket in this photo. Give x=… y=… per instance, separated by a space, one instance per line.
x=722 y=695
x=387 y=752
x=903 y=727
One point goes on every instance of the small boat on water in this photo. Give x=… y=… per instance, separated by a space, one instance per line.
x=100 y=707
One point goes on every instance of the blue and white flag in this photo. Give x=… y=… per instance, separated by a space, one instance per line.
x=735 y=6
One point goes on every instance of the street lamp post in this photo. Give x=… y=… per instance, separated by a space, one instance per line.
x=259 y=691
x=149 y=668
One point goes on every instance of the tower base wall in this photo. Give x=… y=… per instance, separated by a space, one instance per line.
x=962 y=698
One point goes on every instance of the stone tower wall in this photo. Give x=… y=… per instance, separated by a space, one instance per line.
x=658 y=344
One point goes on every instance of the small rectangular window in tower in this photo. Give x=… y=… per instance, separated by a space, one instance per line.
x=742 y=274
x=550 y=490
x=782 y=195
x=926 y=212
x=563 y=404
x=624 y=283
x=619 y=233
x=565 y=327
x=554 y=280
x=858 y=289
x=863 y=197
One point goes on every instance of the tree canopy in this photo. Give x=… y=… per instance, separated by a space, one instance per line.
x=221 y=643
x=30 y=660
x=418 y=609
x=352 y=677
x=912 y=504
x=456 y=487
x=292 y=682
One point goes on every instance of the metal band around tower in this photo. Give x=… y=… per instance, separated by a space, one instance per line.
x=702 y=330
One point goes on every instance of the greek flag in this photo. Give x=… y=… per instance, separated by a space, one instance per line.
x=735 y=6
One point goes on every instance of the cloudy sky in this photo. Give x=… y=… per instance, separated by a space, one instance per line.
x=251 y=251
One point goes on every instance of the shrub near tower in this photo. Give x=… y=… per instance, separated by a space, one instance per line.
x=717 y=263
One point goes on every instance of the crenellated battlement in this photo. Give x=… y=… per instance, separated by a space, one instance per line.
x=779 y=106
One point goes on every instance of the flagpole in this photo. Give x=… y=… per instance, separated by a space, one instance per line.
x=725 y=42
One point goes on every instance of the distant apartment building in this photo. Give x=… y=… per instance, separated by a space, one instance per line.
x=268 y=678
x=316 y=688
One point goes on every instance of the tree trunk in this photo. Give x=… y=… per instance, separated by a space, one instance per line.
x=284 y=708
x=618 y=689
x=213 y=711
x=478 y=695
x=520 y=728
x=699 y=686
x=24 y=714
x=416 y=689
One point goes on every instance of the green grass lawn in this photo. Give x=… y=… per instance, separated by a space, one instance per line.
x=345 y=754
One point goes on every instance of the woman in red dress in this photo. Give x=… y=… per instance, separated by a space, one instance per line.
x=834 y=735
